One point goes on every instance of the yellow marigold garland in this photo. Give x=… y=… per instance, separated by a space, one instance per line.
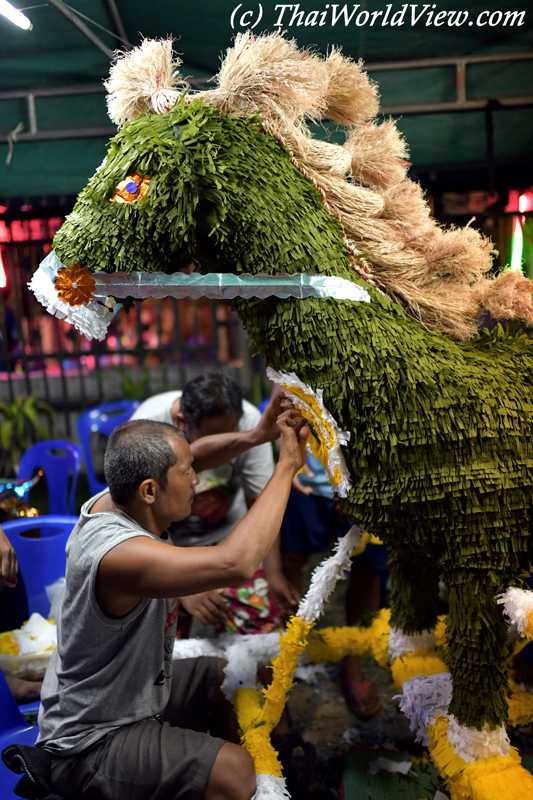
x=488 y=779
x=366 y=539
x=256 y=721
x=257 y=741
x=332 y=644
x=423 y=661
x=247 y=707
x=292 y=644
x=520 y=706
x=8 y=644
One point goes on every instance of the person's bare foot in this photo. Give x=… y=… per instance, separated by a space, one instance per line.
x=24 y=691
x=360 y=694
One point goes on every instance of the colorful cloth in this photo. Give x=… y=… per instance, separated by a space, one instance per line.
x=251 y=608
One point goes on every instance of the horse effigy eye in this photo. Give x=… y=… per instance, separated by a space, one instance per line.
x=131 y=188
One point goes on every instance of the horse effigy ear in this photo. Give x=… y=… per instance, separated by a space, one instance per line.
x=352 y=98
x=144 y=80
x=270 y=75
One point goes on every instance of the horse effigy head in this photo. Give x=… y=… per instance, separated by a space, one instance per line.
x=192 y=178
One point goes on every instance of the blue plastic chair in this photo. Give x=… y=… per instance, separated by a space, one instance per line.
x=13 y=730
x=61 y=462
x=42 y=561
x=101 y=419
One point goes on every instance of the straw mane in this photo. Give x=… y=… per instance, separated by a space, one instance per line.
x=439 y=276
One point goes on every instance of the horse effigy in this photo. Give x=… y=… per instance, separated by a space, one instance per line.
x=367 y=312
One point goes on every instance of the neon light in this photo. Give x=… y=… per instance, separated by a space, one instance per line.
x=518 y=244
x=3 y=279
x=14 y=15
x=525 y=203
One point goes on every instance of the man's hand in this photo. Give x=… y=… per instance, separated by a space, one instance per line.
x=207 y=607
x=266 y=429
x=8 y=560
x=284 y=593
x=293 y=442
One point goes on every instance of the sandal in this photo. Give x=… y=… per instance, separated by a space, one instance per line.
x=355 y=694
x=298 y=760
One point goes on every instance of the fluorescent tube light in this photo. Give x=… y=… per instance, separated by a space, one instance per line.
x=14 y=15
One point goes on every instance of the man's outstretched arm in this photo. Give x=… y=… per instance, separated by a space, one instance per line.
x=213 y=451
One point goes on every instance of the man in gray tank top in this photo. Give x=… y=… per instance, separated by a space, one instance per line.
x=116 y=718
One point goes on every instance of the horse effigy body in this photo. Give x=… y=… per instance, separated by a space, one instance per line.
x=434 y=453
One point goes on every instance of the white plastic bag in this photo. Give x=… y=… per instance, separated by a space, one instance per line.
x=55 y=595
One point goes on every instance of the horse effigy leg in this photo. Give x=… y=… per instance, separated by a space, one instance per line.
x=477 y=650
x=418 y=670
x=470 y=746
x=414 y=600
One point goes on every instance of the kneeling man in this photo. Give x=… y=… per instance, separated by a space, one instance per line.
x=118 y=718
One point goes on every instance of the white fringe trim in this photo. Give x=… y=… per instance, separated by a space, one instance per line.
x=401 y=643
x=86 y=318
x=473 y=745
x=195 y=648
x=332 y=436
x=270 y=788
x=326 y=575
x=425 y=698
x=517 y=605
x=244 y=655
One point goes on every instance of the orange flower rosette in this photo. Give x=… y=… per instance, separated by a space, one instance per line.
x=75 y=285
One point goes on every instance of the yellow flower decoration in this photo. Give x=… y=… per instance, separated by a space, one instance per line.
x=257 y=721
x=326 y=437
x=529 y=626
x=74 y=285
x=520 y=706
x=132 y=188
x=487 y=779
x=8 y=644
x=332 y=644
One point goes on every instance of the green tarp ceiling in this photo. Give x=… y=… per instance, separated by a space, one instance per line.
x=64 y=135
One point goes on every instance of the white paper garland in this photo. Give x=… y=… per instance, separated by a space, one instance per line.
x=86 y=318
x=326 y=575
x=401 y=643
x=474 y=745
x=423 y=699
x=517 y=606
x=270 y=788
x=332 y=437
